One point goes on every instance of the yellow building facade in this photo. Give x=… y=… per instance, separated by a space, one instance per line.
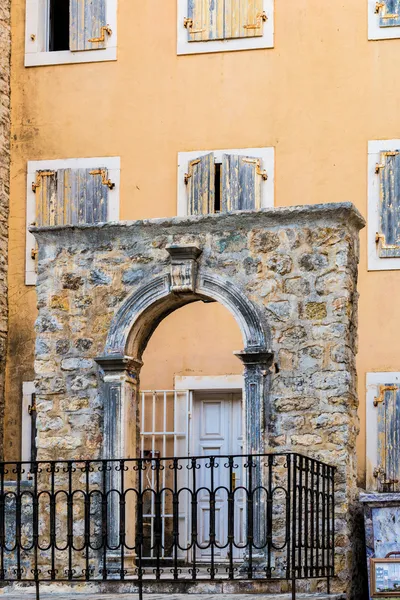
x=314 y=93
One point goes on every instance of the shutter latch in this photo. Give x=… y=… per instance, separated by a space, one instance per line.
x=104 y=179
x=260 y=18
x=382 y=390
x=102 y=38
x=188 y=24
x=36 y=184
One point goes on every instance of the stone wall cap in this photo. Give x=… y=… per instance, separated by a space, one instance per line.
x=377 y=498
x=265 y=217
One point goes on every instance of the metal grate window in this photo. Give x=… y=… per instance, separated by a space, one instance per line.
x=164 y=432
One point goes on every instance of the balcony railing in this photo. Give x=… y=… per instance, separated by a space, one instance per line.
x=210 y=518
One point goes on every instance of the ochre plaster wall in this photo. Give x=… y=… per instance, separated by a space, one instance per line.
x=317 y=97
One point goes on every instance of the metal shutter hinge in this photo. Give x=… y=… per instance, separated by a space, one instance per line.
x=381 y=239
x=34 y=253
x=260 y=18
x=104 y=179
x=188 y=24
x=381 y=7
x=382 y=390
x=102 y=38
x=378 y=7
x=36 y=184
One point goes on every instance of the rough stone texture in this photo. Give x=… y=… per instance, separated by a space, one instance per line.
x=5 y=58
x=305 y=294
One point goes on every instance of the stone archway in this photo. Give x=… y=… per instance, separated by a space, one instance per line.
x=133 y=326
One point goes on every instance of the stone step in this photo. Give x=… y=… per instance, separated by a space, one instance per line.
x=29 y=595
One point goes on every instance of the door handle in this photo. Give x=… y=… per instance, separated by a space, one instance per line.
x=233 y=481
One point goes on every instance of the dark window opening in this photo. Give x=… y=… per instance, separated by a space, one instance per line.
x=217 y=187
x=59 y=25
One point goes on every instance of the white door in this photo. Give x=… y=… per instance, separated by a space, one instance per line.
x=217 y=431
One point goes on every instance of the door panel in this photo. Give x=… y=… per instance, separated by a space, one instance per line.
x=217 y=431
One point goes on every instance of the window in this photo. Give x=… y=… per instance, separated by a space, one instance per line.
x=68 y=31
x=384 y=205
x=59 y=25
x=68 y=192
x=383 y=432
x=383 y=19
x=225 y=180
x=218 y=26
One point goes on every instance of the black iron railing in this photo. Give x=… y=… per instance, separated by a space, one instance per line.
x=214 y=518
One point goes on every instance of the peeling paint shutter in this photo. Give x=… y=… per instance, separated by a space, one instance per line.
x=243 y=18
x=205 y=20
x=389 y=13
x=88 y=22
x=389 y=208
x=241 y=182
x=389 y=433
x=71 y=196
x=200 y=180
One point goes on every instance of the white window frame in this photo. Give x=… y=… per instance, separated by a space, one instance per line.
x=267 y=156
x=375 y=32
x=374 y=380
x=113 y=164
x=28 y=388
x=375 y=262
x=37 y=38
x=264 y=41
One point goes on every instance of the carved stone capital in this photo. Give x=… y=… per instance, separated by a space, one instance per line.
x=117 y=363
x=256 y=358
x=183 y=267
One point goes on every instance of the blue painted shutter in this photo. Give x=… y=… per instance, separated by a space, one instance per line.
x=389 y=434
x=88 y=23
x=241 y=182
x=205 y=20
x=389 y=207
x=389 y=14
x=243 y=18
x=71 y=196
x=200 y=181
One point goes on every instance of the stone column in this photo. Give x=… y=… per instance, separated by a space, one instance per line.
x=120 y=434
x=256 y=414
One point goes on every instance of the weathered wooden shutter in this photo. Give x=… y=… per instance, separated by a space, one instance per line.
x=243 y=18
x=88 y=25
x=388 y=406
x=205 y=20
x=388 y=236
x=71 y=196
x=241 y=182
x=200 y=180
x=389 y=13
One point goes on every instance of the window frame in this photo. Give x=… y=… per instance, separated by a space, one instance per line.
x=375 y=262
x=36 y=50
x=113 y=164
x=267 y=156
x=373 y=381
x=375 y=32
x=254 y=43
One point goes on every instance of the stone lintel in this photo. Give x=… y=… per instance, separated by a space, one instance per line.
x=377 y=499
x=115 y=363
x=182 y=253
x=255 y=357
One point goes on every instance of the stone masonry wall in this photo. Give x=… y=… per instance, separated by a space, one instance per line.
x=297 y=266
x=5 y=58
